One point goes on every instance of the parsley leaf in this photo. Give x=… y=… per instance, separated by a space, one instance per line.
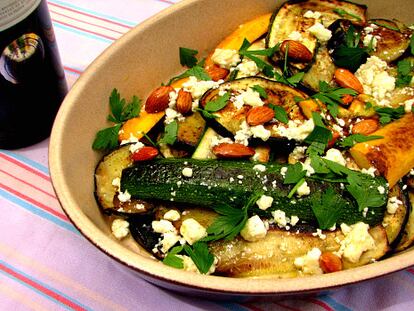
x=187 y=57
x=332 y=96
x=405 y=73
x=388 y=114
x=200 y=255
x=107 y=138
x=386 y=26
x=412 y=44
x=171 y=258
x=360 y=187
x=264 y=66
x=280 y=113
x=344 y=13
x=170 y=133
x=351 y=140
x=260 y=90
x=320 y=133
x=295 y=188
x=214 y=106
x=294 y=174
x=120 y=111
x=328 y=208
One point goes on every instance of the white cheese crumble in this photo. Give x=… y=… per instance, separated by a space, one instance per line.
x=312 y=14
x=370 y=40
x=280 y=218
x=336 y=156
x=131 y=139
x=242 y=136
x=369 y=171
x=249 y=97
x=254 y=229
x=163 y=226
x=192 y=231
x=259 y=131
x=319 y=234
x=189 y=265
x=309 y=263
x=120 y=228
x=264 y=202
x=408 y=105
x=259 y=168
x=303 y=190
x=217 y=140
x=381 y=189
x=171 y=115
x=247 y=68
x=116 y=182
x=294 y=220
x=295 y=129
x=124 y=196
x=136 y=147
x=198 y=88
x=172 y=215
x=393 y=204
x=376 y=80
x=297 y=154
x=357 y=241
x=187 y=172
x=320 y=32
x=226 y=58
x=283 y=171
x=168 y=241
x=295 y=36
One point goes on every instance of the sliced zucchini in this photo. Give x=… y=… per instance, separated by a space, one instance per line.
x=393 y=38
x=290 y=18
x=190 y=131
x=203 y=151
x=229 y=119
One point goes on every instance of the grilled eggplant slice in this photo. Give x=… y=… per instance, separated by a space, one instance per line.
x=290 y=18
x=407 y=238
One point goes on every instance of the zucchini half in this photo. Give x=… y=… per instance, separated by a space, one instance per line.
x=289 y=18
x=229 y=119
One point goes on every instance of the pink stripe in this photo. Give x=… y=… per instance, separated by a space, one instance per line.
x=285 y=306
x=166 y=1
x=32 y=201
x=320 y=303
x=89 y=15
x=85 y=30
x=31 y=185
x=72 y=70
x=42 y=289
x=24 y=166
x=85 y=22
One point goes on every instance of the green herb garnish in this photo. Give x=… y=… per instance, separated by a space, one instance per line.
x=200 y=255
x=353 y=139
x=263 y=66
x=121 y=111
x=388 y=114
x=170 y=133
x=344 y=13
x=405 y=69
x=328 y=208
x=187 y=57
x=294 y=174
x=215 y=105
x=386 y=26
x=320 y=133
x=262 y=92
x=296 y=187
x=172 y=260
x=280 y=113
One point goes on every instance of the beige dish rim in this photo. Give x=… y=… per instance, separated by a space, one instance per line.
x=155 y=271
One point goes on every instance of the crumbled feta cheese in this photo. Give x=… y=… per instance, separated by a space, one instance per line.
x=254 y=229
x=365 y=212
x=172 y=215
x=173 y=99
x=357 y=241
x=242 y=136
x=381 y=189
x=408 y=105
x=308 y=167
x=163 y=226
x=247 y=68
x=320 y=32
x=136 y=147
x=295 y=129
x=120 y=228
x=168 y=241
x=312 y=14
x=295 y=36
x=116 y=182
x=297 y=154
x=309 y=263
x=336 y=156
x=124 y=196
x=264 y=202
x=189 y=265
x=319 y=234
x=131 y=139
x=370 y=40
x=217 y=140
x=249 y=97
x=294 y=220
x=283 y=171
x=192 y=231
x=303 y=190
x=376 y=80
x=259 y=131
x=198 y=88
x=226 y=58
x=280 y=218
x=393 y=204
x=370 y=171
x=172 y=115
x=259 y=168
x=187 y=172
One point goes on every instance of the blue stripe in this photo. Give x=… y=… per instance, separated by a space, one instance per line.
x=37 y=211
x=333 y=303
x=109 y=17
x=36 y=165
x=231 y=306
x=82 y=33
x=42 y=284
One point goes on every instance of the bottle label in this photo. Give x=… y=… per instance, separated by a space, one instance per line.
x=14 y=11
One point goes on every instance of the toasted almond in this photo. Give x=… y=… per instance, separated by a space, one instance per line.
x=184 y=101
x=347 y=99
x=259 y=115
x=335 y=137
x=145 y=154
x=329 y=262
x=365 y=127
x=233 y=151
x=296 y=51
x=216 y=72
x=158 y=100
x=347 y=79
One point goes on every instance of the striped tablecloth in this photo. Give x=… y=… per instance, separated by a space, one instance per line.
x=46 y=264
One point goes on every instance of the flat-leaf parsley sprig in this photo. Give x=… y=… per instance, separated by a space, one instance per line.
x=121 y=111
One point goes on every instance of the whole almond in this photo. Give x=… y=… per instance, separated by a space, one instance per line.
x=145 y=154
x=329 y=262
x=158 y=100
x=296 y=51
x=184 y=101
x=216 y=72
x=259 y=115
x=347 y=79
x=365 y=127
x=233 y=151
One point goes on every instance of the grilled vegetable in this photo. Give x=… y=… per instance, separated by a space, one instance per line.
x=190 y=131
x=393 y=155
x=407 y=237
